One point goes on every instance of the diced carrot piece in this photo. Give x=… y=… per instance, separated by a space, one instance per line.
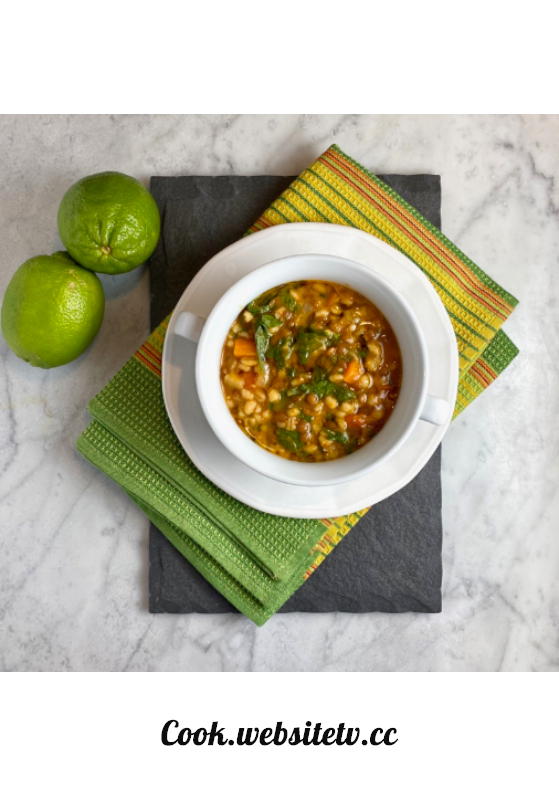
x=249 y=378
x=244 y=348
x=353 y=371
x=355 y=421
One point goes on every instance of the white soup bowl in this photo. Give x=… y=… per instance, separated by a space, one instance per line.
x=413 y=403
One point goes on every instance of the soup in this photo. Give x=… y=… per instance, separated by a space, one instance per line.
x=311 y=371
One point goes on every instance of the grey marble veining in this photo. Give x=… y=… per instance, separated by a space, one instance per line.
x=73 y=548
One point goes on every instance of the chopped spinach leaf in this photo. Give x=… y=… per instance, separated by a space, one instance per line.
x=288 y=300
x=290 y=440
x=308 y=341
x=269 y=321
x=261 y=305
x=340 y=393
x=306 y=417
x=256 y=309
x=332 y=337
x=262 y=341
x=283 y=351
x=322 y=387
x=299 y=390
x=337 y=436
x=262 y=336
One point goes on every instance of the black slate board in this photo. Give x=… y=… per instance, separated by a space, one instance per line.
x=391 y=561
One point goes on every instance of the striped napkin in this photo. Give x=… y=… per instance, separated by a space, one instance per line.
x=338 y=190
x=256 y=560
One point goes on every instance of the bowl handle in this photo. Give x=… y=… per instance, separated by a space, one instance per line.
x=435 y=410
x=189 y=326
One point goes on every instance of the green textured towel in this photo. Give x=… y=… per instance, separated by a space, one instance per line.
x=246 y=584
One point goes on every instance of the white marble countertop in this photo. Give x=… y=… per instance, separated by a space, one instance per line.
x=73 y=553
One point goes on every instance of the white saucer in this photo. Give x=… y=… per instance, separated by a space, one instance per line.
x=185 y=412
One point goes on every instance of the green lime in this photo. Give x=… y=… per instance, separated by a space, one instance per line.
x=109 y=222
x=52 y=310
